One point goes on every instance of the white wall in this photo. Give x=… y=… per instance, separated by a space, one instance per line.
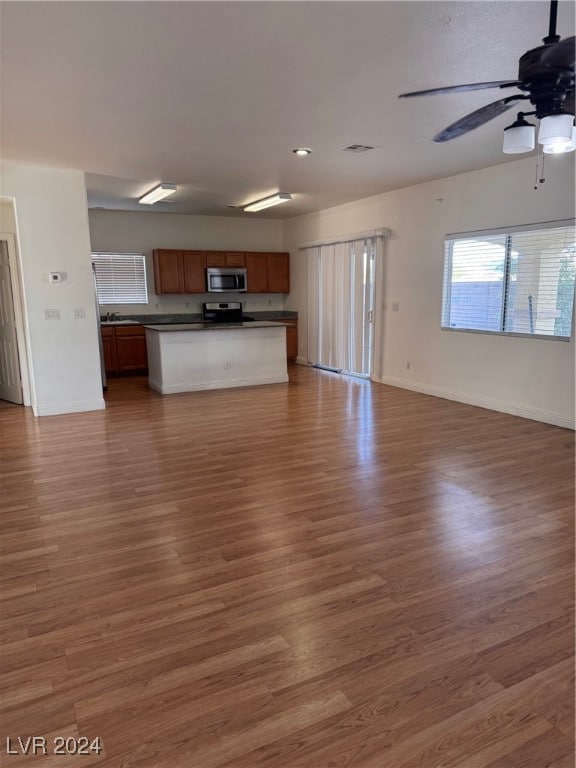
x=52 y=231
x=530 y=377
x=136 y=232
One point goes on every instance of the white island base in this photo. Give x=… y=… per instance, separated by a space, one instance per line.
x=186 y=358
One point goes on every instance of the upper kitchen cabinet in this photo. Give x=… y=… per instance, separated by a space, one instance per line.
x=179 y=271
x=185 y=271
x=225 y=259
x=168 y=272
x=268 y=272
x=279 y=273
x=257 y=272
x=193 y=263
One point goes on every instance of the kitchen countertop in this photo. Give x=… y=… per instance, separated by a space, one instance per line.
x=171 y=327
x=178 y=319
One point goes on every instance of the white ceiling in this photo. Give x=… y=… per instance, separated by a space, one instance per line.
x=213 y=96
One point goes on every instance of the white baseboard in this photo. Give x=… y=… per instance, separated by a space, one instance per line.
x=57 y=409
x=222 y=384
x=481 y=402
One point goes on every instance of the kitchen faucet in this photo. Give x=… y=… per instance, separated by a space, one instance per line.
x=111 y=316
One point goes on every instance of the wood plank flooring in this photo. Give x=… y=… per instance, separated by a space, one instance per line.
x=324 y=574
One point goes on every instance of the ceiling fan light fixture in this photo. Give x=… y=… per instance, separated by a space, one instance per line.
x=519 y=137
x=157 y=194
x=560 y=149
x=267 y=202
x=556 y=130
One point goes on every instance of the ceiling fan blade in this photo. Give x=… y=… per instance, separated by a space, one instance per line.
x=459 y=88
x=476 y=119
x=561 y=54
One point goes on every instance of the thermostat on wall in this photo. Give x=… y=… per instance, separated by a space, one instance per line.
x=56 y=277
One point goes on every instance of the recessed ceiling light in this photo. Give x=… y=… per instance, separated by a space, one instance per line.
x=302 y=151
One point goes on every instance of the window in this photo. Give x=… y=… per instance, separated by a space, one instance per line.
x=120 y=278
x=515 y=282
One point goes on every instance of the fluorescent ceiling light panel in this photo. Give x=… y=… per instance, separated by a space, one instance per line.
x=158 y=193
x=268 y=202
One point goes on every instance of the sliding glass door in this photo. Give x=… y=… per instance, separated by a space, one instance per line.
x=341 y=279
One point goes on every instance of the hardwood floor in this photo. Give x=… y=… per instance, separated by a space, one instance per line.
x=322 y=574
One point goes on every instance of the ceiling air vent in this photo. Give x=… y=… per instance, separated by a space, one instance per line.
x=357 y=148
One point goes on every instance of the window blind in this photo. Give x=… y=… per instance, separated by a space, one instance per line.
x=120 y=278
x=516 y=282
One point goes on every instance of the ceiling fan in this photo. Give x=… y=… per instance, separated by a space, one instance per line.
x=546 y=78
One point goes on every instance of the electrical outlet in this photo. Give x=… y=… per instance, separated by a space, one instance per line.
x=408 y=365
x=51 y=314
x=227 y=365
x=79 y=313
x=395 y=306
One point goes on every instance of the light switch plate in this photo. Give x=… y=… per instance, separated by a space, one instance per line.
x=51 y=314
x=79 y=313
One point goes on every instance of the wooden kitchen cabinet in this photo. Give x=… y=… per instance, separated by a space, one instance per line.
x=168 y=272
x=268 y=272
x=185 y=271
x=235 y=259
x=291 y=336
x=193 y=266
x=131 y=352
x=109 y=349
x=124 y=348
x=225 y=259
x=278 y=273
x=179 y=271
x=257 y=272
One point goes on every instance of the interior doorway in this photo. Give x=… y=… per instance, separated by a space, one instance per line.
x=10 y=376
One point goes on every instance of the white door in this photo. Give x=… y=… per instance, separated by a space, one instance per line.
x=10 y=384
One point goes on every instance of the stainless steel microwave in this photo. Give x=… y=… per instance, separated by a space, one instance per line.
x=226 y=280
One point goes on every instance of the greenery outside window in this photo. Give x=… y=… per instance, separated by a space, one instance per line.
x=515 y=282
x=120 y=278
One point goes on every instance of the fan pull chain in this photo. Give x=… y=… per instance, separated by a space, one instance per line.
x=539 y=176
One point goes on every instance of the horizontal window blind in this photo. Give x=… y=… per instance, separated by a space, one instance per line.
x=518 y=282
x=120 y=278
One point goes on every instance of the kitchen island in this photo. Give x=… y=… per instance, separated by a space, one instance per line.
x=194 y=356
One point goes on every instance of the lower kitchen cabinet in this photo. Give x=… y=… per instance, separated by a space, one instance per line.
x=291 y=336
x=109 y=349
x=124 y=349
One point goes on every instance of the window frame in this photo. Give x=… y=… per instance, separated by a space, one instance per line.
x=446 y=298
x=121 y=253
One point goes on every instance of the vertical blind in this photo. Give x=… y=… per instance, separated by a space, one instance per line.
x=120 y=278
x=516 y=282
x=340 y=300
